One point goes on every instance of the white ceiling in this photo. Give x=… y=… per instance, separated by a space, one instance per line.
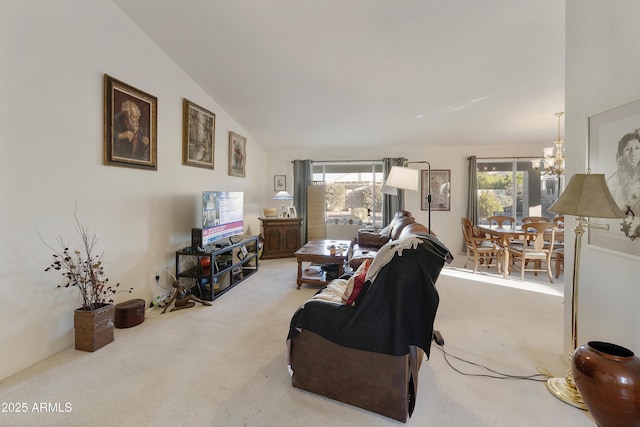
x=356 y=73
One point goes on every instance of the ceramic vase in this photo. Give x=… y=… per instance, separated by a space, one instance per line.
x=608 y=379
x=93 y=328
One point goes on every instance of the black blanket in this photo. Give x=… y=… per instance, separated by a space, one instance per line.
x=395 y=311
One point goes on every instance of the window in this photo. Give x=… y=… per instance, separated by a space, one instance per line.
x=512 y=188
x=352 y=191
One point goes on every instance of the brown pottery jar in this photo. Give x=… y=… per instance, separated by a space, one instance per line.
x=608 y=379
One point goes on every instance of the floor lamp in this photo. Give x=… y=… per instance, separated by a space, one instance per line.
x=401 y=177
x=586 y=196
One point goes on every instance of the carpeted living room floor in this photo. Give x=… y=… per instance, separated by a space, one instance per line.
x=225 y=365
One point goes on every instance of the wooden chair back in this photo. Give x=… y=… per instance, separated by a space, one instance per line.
x=500 y=220
x=540 y=235
x=467 y=231
x=559 y=221
x=528 y=219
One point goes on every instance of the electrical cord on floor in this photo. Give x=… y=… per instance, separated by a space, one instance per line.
x=542 y=376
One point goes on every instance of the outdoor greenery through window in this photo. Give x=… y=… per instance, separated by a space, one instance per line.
x=352 y=191
x=512 y=188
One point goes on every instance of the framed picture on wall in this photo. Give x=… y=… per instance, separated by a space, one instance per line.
x=130 y=126
x=614 y=150
x=279 y=183
x=440 y=190
x=198 y=135
x=237 y=155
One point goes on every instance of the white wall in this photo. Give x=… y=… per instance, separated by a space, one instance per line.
x=602 y=70
x=54 y=56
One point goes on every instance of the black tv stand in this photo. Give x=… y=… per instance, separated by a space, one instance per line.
x=215 y=270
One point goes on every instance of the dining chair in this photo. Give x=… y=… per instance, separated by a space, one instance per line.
x=480 y=250
x=528 y=219
x=559 y=257
x=541 y=236
x=500 y=220
x=558 y=220
x=558 y=245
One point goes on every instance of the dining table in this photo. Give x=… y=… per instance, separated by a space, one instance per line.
x=506 y=235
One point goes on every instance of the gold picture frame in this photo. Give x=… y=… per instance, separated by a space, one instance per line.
x=130 y=126
x=198 y=135
x=237 y=155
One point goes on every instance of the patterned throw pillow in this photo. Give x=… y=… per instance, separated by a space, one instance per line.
x=355 y=282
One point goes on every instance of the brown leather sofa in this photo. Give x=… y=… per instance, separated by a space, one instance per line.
x=368 y=354
x=369 y=241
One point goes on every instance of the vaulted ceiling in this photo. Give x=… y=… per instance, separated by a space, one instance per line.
x=356 y=73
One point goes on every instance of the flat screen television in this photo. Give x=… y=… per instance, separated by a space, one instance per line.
x=222 y=215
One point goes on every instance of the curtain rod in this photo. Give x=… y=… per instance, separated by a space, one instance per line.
x=346 y=161
x=510 y=158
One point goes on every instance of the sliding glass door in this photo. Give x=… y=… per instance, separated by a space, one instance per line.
x=511 y=187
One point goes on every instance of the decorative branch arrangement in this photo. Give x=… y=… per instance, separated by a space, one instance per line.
x=84 y=269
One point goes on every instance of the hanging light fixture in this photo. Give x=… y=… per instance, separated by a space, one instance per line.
x=553 y=163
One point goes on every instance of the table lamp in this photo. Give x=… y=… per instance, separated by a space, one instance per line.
x=586 y=196
x=283 y=195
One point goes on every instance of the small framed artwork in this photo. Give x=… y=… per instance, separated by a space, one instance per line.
x=440 y=190
x=237 y=155
x=614 y=144
x=270 y=212
x=198 y=135
x=130 y=126
x=279 y=183
x=292 y=212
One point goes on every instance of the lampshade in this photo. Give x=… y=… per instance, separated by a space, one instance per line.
x=404 y=178
x=282 y=195
x=392 y=191
x=587 y=195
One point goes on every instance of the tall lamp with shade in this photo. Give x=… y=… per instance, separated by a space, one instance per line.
x=408 y=179
x=401 y=177
x=586 y=196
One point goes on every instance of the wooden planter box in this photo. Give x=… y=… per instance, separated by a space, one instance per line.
x=94 y=328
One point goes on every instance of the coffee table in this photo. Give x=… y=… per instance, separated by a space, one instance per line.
x=317 y=251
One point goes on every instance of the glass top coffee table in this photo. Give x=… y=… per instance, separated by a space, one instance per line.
x=320 y=252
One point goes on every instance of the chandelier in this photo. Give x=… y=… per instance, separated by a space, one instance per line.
x=553 y=163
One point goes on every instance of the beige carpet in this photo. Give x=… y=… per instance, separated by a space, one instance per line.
x=225 y=365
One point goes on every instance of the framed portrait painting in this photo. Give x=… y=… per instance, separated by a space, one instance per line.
x=130 y=126
x=614 y=150
x=198 y=135
x=237 y=155
x=440 y=190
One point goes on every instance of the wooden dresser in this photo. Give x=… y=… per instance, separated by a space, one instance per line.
x=281 y=237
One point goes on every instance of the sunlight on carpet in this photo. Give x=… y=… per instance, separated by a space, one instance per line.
x=556 y=288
